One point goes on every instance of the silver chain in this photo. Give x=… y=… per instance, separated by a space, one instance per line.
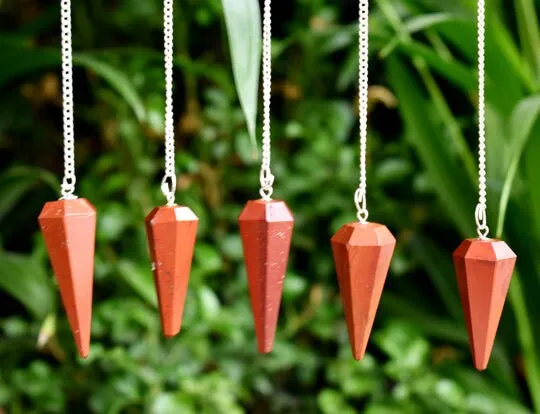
x=363 y=81
x=481 y=208
x=68 y=182
x=168 y=183
x=266 y=178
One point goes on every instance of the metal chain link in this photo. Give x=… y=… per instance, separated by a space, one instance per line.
x=481 y=208
x=363 y=81
x=68 y=182
x=168 y=183
x=266 y=178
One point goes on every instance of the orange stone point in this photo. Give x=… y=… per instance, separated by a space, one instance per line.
x=266 y=229
x=171 y=232
x=362 y=255
x=69 y=230
x=484 y=269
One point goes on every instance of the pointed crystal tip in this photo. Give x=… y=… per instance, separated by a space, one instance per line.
x=266 y=230
x=362 y=254
x=171 y=232
x=69 y=230
x=484 y=270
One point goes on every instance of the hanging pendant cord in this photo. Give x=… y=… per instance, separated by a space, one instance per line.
x=168 y=183
x=68 y=182
x=266 y=178
x=481 y=208
x=363 y=48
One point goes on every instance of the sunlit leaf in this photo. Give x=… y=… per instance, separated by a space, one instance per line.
x=426 y=21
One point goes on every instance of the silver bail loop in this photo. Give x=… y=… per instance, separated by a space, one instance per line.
x=267 y=181
x=361 y=205
x=168 y=188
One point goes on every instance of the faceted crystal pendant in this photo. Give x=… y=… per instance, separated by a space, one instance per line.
x=171 y=232
x=266 y=230
x=69 y=230
x=362 y=255
x=484 y=270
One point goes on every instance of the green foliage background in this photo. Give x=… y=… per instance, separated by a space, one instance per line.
x=421 y=183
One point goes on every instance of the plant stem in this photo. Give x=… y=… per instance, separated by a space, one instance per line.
x=526 y=338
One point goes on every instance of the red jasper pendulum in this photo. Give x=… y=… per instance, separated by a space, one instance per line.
x=69 y=224
x=362 y=250
x=171 y=229
x=484 y=266
x=266 y=227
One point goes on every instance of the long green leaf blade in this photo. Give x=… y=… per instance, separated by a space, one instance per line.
x=242 y=18
x=522 y=122
x=427 y=21
x=120 y=82
x=527 y=340
x=532 y=168
x=529 y=33
x=457 y=73
x=452 y=184
x=24 y=279
x=139 y=279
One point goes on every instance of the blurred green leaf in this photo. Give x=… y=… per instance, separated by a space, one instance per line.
x=117 y=79
x=452 y=70
x=440 y=270
x=24 y=279
x=532 y=168
x=449 y=179
x=19 y=58
x=426 y=21
x=139 y=279
x=331 y=402
x=462 y=35
x=451 y=393
x=38 y=383
x=529 y=31
x=18 y=181
x=404 y=345
x=392 y=170
x=522 y=122
x=208 y=258
x=242 y=18
x=172 y=403
x=497 y=157
x=485 y=388
x=113 y=221
x=526 y=331
x=209 y=303
x=381 y=408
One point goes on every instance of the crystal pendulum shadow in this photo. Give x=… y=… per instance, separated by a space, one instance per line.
x=483 y=266
x=266 y=227
x=69 y=224
x=362 y=250
x=171 y=229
